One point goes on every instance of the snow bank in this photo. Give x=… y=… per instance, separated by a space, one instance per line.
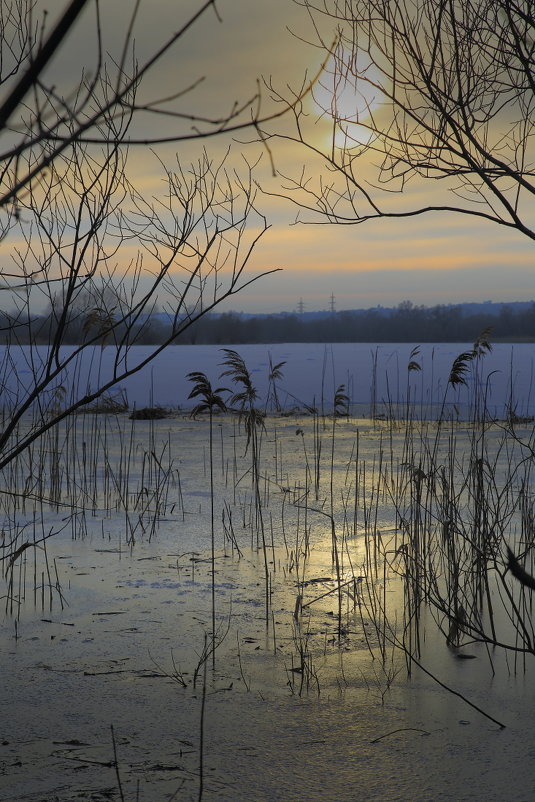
x=376 y=377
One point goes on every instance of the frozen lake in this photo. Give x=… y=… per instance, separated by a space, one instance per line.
x=244 y=611
x=312 y=702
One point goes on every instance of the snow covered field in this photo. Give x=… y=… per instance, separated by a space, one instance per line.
x=376 y=377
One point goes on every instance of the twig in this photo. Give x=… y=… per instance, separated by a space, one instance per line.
x=401 y=729
x=116 y=764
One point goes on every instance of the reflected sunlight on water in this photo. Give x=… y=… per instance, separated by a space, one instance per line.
x=355 y=551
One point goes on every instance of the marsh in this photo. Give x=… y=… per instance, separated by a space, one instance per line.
x=369 y=641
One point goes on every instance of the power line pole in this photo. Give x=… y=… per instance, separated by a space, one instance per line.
x=300 y=307
x=332 y=305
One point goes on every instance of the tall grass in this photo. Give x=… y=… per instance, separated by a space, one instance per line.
x=210 y=401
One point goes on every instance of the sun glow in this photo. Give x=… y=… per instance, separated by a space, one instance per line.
x=347 y=95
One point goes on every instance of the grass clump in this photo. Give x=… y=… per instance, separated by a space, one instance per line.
x=150 y=413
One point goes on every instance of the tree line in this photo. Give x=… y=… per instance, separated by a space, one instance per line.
x=406 y=323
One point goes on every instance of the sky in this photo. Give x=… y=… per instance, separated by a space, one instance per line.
x=434 y=259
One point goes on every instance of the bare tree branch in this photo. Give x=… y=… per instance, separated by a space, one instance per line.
x=84 y=242
x=422 y=91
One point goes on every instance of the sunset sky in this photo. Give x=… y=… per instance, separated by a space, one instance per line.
x=427 y=259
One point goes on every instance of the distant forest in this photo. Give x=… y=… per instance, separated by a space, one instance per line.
x=404 y=323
